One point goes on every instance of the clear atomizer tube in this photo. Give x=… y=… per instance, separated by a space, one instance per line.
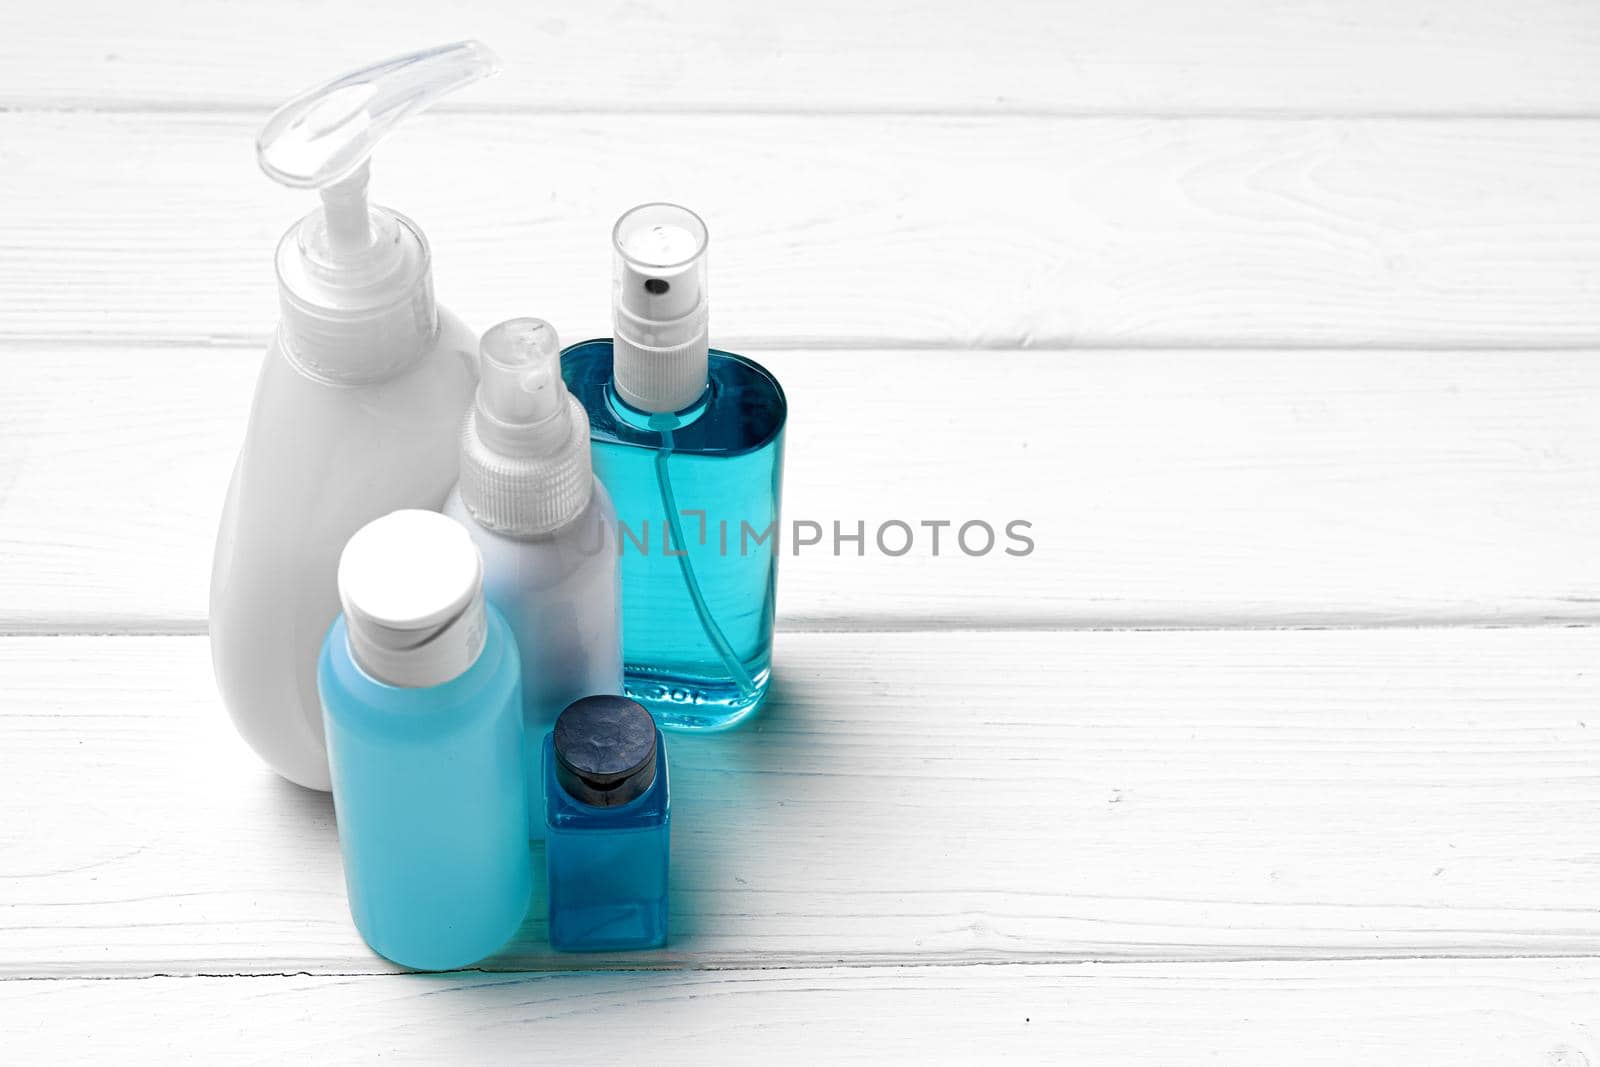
x=689 y=440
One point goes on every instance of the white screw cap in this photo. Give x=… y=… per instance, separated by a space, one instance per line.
x=411 y=584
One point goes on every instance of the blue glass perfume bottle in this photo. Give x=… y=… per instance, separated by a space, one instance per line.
x=422 y=703
x=690 y=443
x=607 y=827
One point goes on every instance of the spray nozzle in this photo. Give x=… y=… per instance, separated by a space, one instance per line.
x=521 y=383
x=660 y=265
x=323 y=138
x=525 y=466
x=658 y=307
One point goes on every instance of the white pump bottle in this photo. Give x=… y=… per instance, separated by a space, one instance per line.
x=356 y=408
x=545 y=527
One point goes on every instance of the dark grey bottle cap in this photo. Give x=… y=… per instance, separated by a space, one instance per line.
x=605 y=750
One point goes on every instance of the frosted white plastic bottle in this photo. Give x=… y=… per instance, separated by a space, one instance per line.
x=356 y=409
x=546 y=529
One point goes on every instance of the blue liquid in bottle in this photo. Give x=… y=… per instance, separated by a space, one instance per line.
x=608 y=823
x=697 y=495
x=427 y=767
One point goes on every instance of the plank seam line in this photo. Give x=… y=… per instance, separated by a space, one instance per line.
x=996 y=112
x=840 y=964
x=1030 y=345
x=868 y=626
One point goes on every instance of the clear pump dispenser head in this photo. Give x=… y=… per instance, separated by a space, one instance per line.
x=354 y=280
x=659 y=307
x=525 y=465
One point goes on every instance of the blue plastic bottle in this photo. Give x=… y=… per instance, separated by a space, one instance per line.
x=422 y=705
x=608 y=821
x=690 y=443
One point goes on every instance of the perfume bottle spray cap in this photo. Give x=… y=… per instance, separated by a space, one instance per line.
x=659 y=310
x=355 y=283
x=605 y=750
x=411 y=584
x=525 y=463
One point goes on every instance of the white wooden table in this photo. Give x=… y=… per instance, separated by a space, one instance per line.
x=1279 y=323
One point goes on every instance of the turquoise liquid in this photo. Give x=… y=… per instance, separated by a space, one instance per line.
x=607 y=866
x=697 y=495
x=428 y=786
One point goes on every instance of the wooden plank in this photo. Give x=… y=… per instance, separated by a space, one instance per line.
x=906 y=798
x=1393 y=1012
x=856 y=231
x=1164 y=488
x=1236 y=56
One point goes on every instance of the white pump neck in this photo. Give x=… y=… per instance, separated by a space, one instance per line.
x=344 y=209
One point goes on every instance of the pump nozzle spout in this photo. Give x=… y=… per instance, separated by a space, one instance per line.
x=326 y=134
x=323 y=138
x=354 y=281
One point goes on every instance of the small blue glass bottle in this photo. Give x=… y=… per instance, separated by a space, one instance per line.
x=422 y=707
x=689 y=441
x=607 y=827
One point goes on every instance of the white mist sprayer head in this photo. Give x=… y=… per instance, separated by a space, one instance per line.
x=520 y=384
x=354 y=280
x=525 y=465
x=659 y=308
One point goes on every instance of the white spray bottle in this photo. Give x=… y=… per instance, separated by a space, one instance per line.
x=546 y=529
x=356 y=408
